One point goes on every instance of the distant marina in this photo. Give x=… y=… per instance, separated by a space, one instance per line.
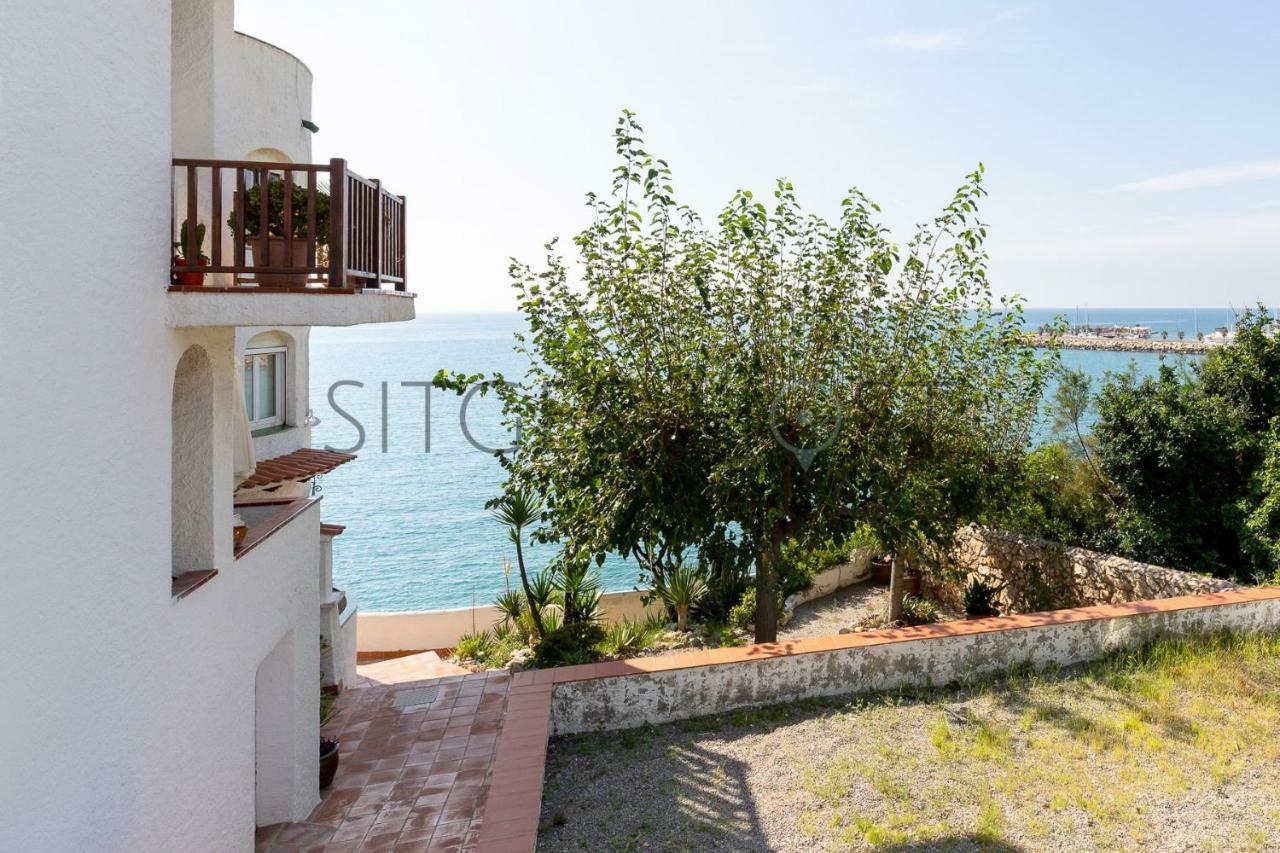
x=1128 y=344
x=1166 y=337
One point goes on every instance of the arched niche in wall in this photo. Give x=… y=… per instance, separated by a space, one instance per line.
x=268 y=155
x=192 y=463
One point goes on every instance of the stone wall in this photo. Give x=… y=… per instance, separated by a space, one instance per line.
x=1041 y=575
x=628 y=693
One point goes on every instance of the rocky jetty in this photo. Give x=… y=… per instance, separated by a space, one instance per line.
x=1171 y=347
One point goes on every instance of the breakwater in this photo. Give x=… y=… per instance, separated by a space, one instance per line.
x=1166 y=347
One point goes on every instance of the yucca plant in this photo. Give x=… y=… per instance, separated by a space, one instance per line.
x=517 y=510
x=683 y=588
x=511 y=604
x=578 y=590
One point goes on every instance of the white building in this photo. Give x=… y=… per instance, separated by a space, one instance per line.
x=160 y=682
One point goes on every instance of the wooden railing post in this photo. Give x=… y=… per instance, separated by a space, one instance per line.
x=402 y=230
x=337 y=222
x=378 y=214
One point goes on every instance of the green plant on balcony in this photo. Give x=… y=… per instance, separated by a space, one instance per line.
x=275 y=212
x=180 y=247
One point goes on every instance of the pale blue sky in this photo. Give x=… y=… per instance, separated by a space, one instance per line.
x=1133 y=152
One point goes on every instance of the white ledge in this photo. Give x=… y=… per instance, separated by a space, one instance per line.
x=314 y=307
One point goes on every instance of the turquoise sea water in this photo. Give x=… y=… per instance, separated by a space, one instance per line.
x=418 y=536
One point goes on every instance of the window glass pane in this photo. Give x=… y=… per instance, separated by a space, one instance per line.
x=264 y=386
x=248 y=386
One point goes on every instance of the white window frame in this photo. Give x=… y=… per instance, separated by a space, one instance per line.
x=282 y=357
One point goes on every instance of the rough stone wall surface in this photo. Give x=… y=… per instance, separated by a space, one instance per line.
x=1041 y=575
x=599 y=704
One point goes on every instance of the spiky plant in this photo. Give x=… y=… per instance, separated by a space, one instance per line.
x=518 y=510
x=683 y=588
x=511 y=604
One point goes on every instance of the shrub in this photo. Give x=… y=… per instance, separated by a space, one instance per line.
x=799 y=563
x=275 y=212
x=578 y=592
x=628 y=636
x=980 y=598
x=474 y=646
x=743 y=614
x=568 y=645
x=918 y=611
x=489 y=649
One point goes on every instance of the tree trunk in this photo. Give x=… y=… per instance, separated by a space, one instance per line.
x=767 y=593
x=534 y=612
x=897 y=586
x=682 y=618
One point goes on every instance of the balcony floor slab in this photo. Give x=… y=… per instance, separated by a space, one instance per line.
x=251 y=306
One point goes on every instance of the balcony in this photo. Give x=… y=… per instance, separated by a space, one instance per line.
x=256 y=244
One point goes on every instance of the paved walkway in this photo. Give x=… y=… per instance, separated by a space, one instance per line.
x=418 y=756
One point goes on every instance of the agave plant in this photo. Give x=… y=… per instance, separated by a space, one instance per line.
x=627 y=636
x=683 y=588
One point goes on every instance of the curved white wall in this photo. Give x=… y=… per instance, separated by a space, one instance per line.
x=267 y=95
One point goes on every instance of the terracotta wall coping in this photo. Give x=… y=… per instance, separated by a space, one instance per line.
x=809 y=645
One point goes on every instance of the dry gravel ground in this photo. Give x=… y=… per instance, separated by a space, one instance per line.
x=1175 y=747
x=844 y=608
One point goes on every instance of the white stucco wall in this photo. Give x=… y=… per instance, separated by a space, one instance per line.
x=128 y=718
x=267 y=95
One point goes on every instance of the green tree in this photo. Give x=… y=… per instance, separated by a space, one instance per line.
x=775 y=378
x=1187 y=451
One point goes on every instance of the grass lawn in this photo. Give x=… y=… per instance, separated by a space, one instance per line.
x=1173 y=747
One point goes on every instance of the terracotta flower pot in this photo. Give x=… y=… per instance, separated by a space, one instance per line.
x=912 y=583
x=271 y=253
x=190 y=279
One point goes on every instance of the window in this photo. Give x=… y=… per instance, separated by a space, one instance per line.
x=264 y=387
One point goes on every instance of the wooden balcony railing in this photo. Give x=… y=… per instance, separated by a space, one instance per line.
x=284 y=225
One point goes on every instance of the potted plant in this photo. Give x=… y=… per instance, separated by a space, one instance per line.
x=328 y=761
x=980 y=599
x=190 y=279
x=269 y=249
x=239 y=529
x=881 y=569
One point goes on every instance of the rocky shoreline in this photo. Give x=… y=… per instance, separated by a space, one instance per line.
x=1168 y=347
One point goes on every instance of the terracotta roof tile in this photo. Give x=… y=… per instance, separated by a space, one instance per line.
x=296 y=466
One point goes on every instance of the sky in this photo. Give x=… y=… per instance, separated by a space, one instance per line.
x=1132 y=150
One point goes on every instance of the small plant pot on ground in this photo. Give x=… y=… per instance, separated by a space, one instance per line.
x=881 y=569
x=328 y=761
x=912 y=583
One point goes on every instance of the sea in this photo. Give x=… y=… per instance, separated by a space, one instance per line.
x=418 y=535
